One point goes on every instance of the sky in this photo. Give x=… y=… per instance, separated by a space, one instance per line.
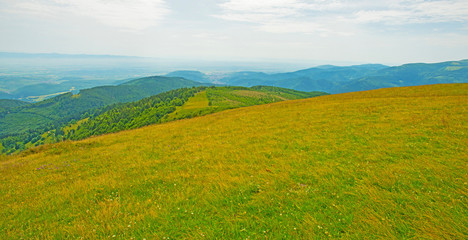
x=327 y=31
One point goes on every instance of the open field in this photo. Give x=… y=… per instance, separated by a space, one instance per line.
x=381 y=164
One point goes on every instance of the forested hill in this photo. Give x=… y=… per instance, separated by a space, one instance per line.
x=131 y=115
x=8 y=104
x=63 y=108
x=166 y=106
x=23 y=126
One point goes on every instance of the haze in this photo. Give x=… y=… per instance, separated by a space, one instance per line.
x=385 y=31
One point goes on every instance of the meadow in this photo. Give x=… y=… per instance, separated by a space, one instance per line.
x=381 y=164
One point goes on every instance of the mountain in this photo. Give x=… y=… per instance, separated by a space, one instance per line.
x=411 y=75
x=381 y=164
x=63 y=108
x=192 y=75
x=335 y=79
x=322 y=78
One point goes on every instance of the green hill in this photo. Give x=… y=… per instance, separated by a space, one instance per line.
x=63 y=108
x=382 y=164
x=35 y=124
x=8 y=104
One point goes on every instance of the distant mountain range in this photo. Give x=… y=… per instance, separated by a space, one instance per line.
x=335 y=79
x=327 y=78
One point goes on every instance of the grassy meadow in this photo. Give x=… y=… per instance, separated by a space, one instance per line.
x=381 y=164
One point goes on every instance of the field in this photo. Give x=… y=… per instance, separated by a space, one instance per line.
x=381 y=164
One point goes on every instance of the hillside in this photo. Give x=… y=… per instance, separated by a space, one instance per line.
x=116 y=117
x=179 y=104
x=383 y=164
x=9 y=104
x=63 y=108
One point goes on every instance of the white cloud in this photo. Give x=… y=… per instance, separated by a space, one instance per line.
x=130 y=15
x=404 y=12
x=321 y=16
x=278 y=16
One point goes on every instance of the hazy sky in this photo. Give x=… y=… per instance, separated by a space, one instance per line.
x=361 y=31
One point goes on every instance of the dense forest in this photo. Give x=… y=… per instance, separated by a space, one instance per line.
x=132 y=115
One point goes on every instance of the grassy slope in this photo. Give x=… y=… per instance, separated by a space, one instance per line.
x=193 y=104
x=216 y=99
x=387 y=163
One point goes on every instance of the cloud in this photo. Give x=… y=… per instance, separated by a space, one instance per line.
x=278 y=16
x=417 y=12
x=336 y=16
x=133 y=15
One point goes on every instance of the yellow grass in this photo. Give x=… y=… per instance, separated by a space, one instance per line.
x=383 y=164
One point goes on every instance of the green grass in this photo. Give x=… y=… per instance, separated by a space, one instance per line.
x=382 y=164
x=216 y=99
x=193 y=106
